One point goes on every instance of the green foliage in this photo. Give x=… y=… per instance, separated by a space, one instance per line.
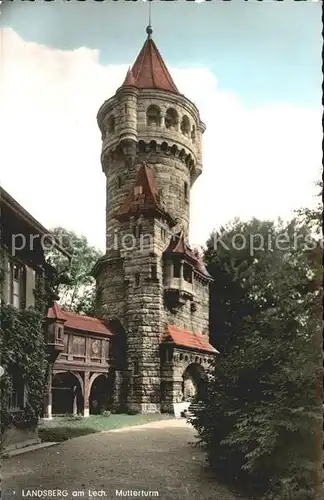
x=105 y=413
x=23 y=353
x=76 y=285
x=260 y=420
x=59 y=434
x=71 y=417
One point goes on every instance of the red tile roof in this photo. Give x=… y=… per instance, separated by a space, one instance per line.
x=129 y=80
x=56 y=312
x=202 y=268
x=149 y=70
x=79 y=321
x=146 y=198
x=185 y=338
x=178 y=245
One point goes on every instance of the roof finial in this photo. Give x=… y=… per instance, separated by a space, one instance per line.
x=149 y=30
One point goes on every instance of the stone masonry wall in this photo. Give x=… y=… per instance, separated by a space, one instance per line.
x=110 y=299
x=144 y=312
x=131 y=286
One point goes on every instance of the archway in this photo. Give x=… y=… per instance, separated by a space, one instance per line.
x=100 y=394
x=67 y=395
x=193 y=382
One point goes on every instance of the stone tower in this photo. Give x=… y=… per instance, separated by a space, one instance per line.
x=150 y=285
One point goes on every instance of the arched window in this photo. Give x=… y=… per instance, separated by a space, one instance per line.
x=153 y=116
x=141 y=146
x=193 y=134
x=153 y=146
x=185 y=190
x=111 y=124
x=182 y=155
x=185 y=125
x=171 y=118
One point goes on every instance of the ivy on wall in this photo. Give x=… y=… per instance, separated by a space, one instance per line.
x=23 y=353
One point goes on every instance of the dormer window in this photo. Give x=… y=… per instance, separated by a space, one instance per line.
x=137 y=279
x=119 y=182
x=138 y=190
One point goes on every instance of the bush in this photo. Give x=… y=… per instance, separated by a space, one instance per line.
x=261 y=419
x=59 y=434
x=23 y=353
x=132 y=412
x=105 y=413
x=70 y=417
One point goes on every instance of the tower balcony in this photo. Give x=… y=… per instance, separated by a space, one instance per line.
x=180 y=284
x=55 y=339
x=177 y=292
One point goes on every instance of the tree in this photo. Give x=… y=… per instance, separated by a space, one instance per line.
x=77 y=286
x=260 y=417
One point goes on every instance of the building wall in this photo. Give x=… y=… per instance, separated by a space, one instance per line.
x=27 y=281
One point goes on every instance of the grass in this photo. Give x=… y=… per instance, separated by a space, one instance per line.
x=64 y=428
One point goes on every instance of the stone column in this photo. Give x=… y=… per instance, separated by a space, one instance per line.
x=117 y=403
x=177 y=391
x=48 y=395
x=181 y=269
x=86 y=394
x=75 y=401
x=70 y=346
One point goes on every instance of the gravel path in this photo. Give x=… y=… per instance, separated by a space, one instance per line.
x=153 y=460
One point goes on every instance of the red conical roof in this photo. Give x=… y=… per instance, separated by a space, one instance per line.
x=129 y=80
x=143 y=197
x=149 y=70
x=178 y=245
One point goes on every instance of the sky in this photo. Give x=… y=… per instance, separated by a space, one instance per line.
x=252 y=68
